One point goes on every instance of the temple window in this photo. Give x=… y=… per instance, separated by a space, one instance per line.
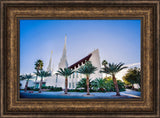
x=77 y=74
x=69 y=85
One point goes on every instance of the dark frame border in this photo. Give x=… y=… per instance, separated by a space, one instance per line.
x=6 y=107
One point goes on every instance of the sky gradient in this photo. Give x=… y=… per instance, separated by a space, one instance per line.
x=117 y=41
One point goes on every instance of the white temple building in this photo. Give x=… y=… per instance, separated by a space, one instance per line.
x=59 y=81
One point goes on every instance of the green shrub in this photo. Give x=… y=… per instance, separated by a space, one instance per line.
x=93 y=90
x=98 y=84
x=55 y=88
x=82 y=90
x=73 y=90
x=121 y=85
x=30 y=88
x=139 y=89
x=109 y=86
x=44 y=87
x=82 y=84
x=101 y=90
x=76 y=90
x=49 y=87
x=36 y=89
x=52 y=88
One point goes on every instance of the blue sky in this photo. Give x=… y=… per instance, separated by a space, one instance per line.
x=117 y=41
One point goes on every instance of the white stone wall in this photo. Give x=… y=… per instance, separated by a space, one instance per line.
x=95 y=60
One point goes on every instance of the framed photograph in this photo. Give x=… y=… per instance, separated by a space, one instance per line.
x=79 y=58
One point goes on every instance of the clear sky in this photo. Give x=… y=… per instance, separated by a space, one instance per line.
x=117 y=41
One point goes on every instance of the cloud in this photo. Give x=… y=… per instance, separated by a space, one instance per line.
x=124 y=71
x=134 y=64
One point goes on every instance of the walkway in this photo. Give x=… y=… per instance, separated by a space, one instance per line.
x=81 y=95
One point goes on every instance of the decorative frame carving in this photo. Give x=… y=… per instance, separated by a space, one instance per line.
x=13 y=11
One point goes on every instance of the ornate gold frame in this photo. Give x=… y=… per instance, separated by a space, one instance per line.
x=13 y=11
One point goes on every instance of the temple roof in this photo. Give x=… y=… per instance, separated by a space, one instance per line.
x=83 y=60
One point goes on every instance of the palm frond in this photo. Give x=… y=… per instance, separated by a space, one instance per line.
x=26 y=76
x=88 y=68
x=65 y=72
x=112 y=68
x=44 y=73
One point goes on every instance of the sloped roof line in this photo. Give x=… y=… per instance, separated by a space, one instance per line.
x=80 y=61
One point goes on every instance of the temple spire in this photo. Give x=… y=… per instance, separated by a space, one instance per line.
x=52 y=68
x=50 y=61
x=63 y=62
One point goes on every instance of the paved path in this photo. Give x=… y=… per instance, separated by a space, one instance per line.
x=81 y=95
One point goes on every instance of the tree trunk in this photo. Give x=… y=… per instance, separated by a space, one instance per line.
x=26 y=86
x=132 y=86
x=40 y=88
x=36 y=77
x=116 y=85
x=66 y=83
x=87 y=82
x=35 y=81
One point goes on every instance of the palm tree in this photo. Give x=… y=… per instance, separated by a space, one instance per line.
x=112 y=69
x=87 y=69
x=65 y=72
x=104 y=63
x=38 y=66
x=27 y=77
x=43 y=74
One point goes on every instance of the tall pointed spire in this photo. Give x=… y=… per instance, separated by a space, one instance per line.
x=52 y=68
x=63 y=62
x=50 y=61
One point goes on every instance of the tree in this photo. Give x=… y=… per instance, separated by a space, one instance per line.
x=38 y=67
x=109 y=85
x=87 y=69
x=43 y=74
x=82 y=84
x=133 y=76
x=65 y=72
x=104 y=63
x=112 y=69
x=98 y=84
x=26 y=77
